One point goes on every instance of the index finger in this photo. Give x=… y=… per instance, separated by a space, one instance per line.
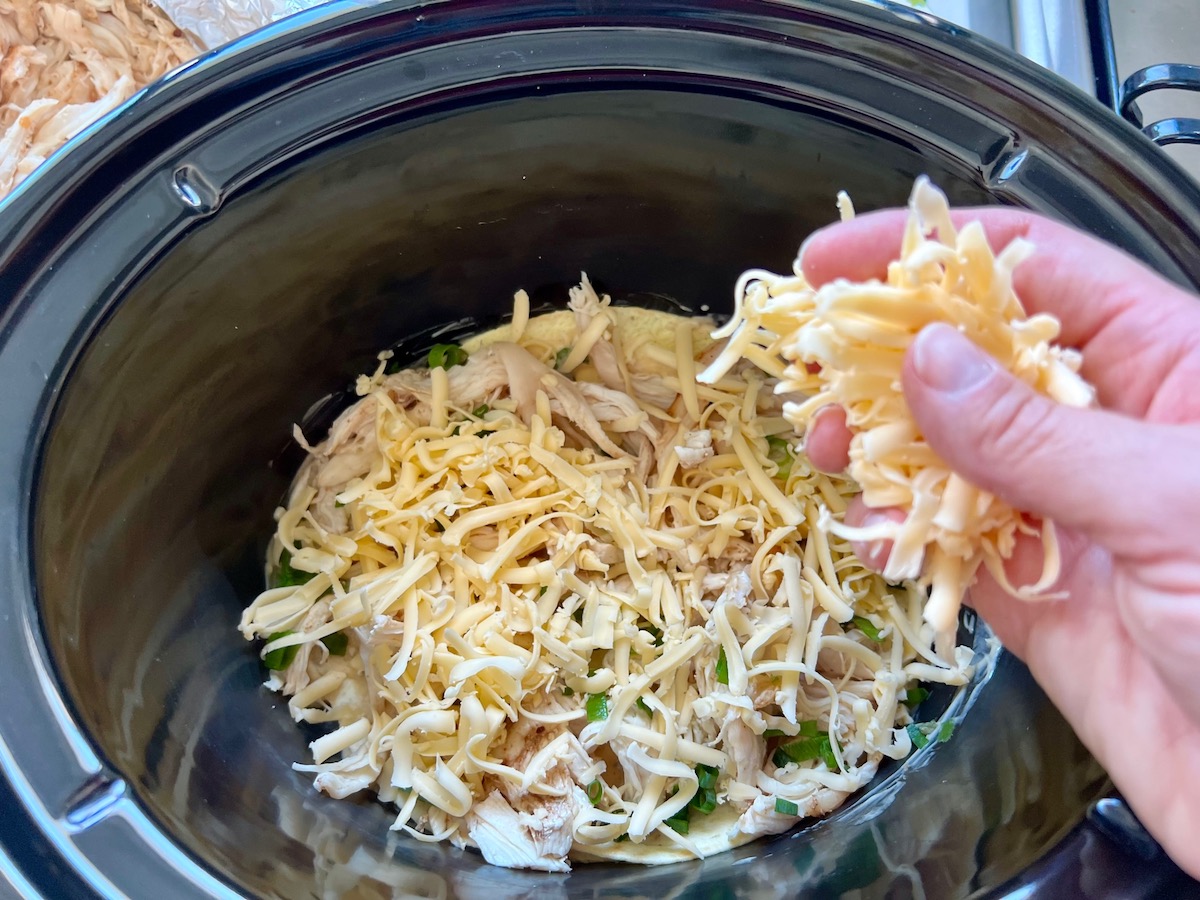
x=1109 y=304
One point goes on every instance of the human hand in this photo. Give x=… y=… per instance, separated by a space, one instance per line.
x=1120 y=656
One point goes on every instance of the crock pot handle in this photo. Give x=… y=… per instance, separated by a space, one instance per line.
x=1165 y=76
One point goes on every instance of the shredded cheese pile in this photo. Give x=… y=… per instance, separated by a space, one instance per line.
x=564 y=599
x=857 y=335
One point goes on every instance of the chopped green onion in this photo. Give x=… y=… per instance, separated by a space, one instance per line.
x=336 y=643
x=786 y=807
x=919 y=738
x=338 y=503
x=645 y=707
x=679 y=821
x=621 y=838
x=707 y=776
x=281 y=657
x=704 y=801
x=286 y=576
x=775 y=732
x=446 y=356
x=568 y=691
x=597 y=707
x=913 y=696
x=827 y=756
x=780 y=453
x=542 y=591
x=927 y=732
x=722 y=667
x=595 y=792
x=866 y=626
x=811 y=744
x=480 y=411
x=561 y=357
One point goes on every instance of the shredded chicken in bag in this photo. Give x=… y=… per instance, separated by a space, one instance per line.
x=65 y=63
x=558 y=599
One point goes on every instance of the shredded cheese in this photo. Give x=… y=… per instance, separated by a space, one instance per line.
x=856 y=335
x=561 y=595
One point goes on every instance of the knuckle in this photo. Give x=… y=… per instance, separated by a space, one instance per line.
x=1019 y=425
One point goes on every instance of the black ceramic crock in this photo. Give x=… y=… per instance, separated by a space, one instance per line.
x=183 y=281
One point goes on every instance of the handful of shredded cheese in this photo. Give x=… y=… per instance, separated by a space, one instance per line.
x=563 y=600
x=858 y=334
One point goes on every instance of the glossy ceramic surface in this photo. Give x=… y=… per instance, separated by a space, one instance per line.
x=240 y=241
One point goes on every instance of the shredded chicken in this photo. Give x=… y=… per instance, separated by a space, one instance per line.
x=66 y=63
x=695 y=449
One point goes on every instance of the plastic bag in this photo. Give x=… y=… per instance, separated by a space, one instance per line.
x=216 y=22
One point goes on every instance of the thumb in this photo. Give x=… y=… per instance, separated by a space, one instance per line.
x=1104 y=474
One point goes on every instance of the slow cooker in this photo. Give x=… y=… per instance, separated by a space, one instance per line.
x=199 y=270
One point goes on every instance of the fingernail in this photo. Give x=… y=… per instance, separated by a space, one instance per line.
x=947 y=361
x=822 y=411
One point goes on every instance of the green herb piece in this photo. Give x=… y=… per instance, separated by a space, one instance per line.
x=597 y=707
x=480 y=411
x=679 y=821
x=281 y=657
x=786 y=807
x=286 y=576
x=578 y=614
x=913 y=696
x=655 y=632
x=338 y=503
x=645 y=707
x=561 y=357
x=336 y=643
x=595 y=792
x=704 y=801
x=707 y=776
x=775 y=732
x=621 y=838
x=809 y=728
x=926 y=733
x=780 y=453
x=446 y=356
x=827 y=756
x=542 y=591
x=722 y=667
x=568 y=691
x=866 y=626
x=810 y=745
